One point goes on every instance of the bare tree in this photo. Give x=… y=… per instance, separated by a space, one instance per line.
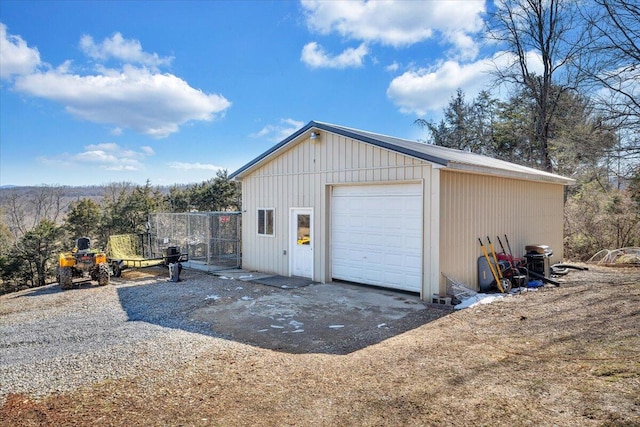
x=33 y=216
x=25 y=210
x=540 y=41
x=613 y=62
x=612 y=70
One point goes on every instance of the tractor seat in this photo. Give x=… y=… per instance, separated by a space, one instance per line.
x=83 y=244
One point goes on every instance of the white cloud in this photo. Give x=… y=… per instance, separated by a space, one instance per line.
x=106 y=146
x=133 y=98
x=104 y=157
x=277 y=133
x=147 y=150
x=96 y=156
x=392 y=68
x=428 y=90
x=398 y=23
x=16 y=57
x=425 y=90
x=108 y=161
x=124 y=167
x=117 y=47
x=466 y=47
x=110 y=156
x=194 y=166
x=315 y=57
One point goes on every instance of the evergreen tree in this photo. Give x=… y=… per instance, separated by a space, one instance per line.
x=83 y=219
x=215 y=195
x=127 y=208
x=465 y=126
x=38 y=248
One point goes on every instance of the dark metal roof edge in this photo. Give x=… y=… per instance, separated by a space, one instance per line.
x=354 y=134
x=273 y=149
x=365 y=137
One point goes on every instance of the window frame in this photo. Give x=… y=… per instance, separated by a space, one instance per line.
x=265 y=222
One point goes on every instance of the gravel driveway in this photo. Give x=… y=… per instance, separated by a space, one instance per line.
x=53 y=340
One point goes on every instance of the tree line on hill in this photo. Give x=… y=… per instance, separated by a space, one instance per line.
x=36 y=225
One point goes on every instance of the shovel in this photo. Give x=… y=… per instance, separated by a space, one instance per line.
x=503 y=284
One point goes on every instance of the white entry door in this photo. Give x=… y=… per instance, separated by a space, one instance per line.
x=301 y=242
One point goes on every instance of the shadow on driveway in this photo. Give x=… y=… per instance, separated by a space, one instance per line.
x=334 y=318
x=54 y=288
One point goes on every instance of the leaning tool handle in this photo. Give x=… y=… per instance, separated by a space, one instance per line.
x=493 y=272
x=506 y=239
x=495 y=258
x=516 y=262
x=502 y=247
x=510 y=259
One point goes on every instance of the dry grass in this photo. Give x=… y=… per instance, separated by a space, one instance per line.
x=561 y=356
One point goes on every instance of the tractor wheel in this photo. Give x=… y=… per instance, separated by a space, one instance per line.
x=65 y=277
x=103 y=274
x=117 y=271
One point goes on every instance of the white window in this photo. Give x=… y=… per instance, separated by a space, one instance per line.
x=265 y=222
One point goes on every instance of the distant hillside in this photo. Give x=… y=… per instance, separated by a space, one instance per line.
x=32 y=194
x=68 y=194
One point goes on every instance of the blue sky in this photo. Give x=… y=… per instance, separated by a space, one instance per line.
x=125 y=91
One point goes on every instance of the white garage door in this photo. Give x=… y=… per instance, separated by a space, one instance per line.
x=376 y=235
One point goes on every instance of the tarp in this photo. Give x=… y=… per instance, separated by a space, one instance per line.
x=128 y=248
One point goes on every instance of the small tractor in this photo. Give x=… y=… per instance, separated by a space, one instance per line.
x=82 y=262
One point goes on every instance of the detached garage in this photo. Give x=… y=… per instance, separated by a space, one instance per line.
x=335 y=203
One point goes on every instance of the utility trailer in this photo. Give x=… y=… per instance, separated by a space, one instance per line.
x=126 y=251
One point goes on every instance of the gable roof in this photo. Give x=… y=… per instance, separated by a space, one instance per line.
x=445 y=157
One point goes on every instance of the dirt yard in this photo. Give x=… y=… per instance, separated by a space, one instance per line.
x=567 y=356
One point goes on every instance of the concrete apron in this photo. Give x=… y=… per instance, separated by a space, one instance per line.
x=335 y=318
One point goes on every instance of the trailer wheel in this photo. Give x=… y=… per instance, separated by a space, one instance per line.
x=103 y=274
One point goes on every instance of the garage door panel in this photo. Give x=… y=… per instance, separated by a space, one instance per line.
x=376 y=235
x=392 y=242
x=394 y=259
x=412 y=241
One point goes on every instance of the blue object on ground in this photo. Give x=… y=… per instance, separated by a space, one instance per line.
x=535 y=284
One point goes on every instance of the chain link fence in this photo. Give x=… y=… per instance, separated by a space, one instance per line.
x=212 y=239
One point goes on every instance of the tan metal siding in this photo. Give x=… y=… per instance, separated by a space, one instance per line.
x=302 y=176
x=473 y=206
